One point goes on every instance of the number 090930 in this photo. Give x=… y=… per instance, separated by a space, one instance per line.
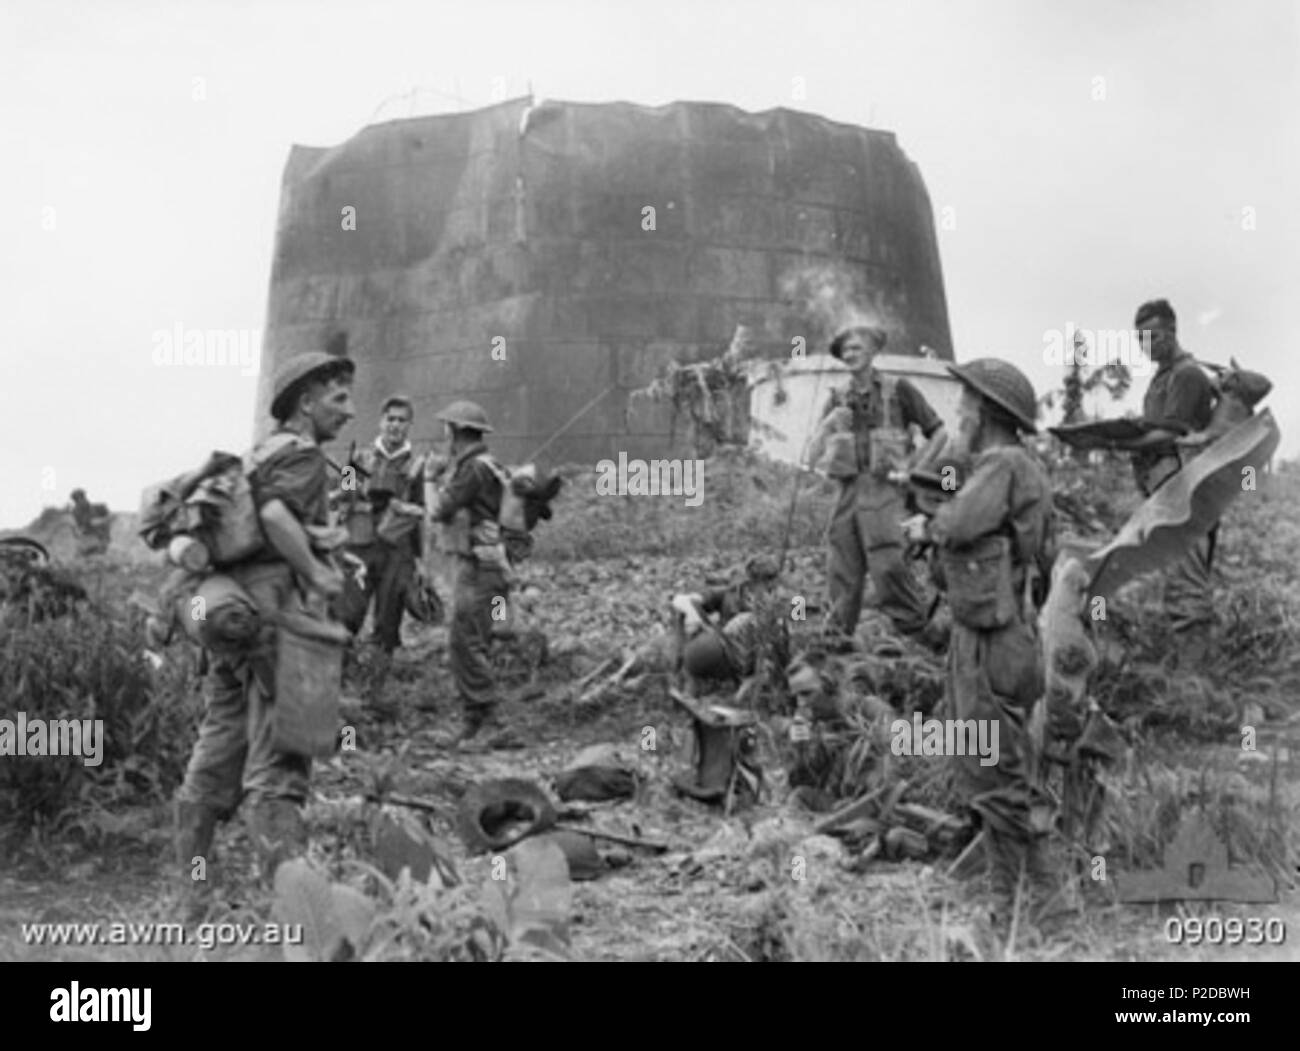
x=1231 y=931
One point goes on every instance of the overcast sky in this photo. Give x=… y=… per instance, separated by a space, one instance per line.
x=1093 y=155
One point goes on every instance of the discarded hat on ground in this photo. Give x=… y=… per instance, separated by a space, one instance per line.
x=32 y=551
x=496 y=814
x=596 y=774
x=423 y=602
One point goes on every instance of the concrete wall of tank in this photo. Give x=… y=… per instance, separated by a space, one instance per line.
x=521 y=228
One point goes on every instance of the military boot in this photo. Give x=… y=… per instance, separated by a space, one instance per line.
x=278 y=833
x=193 y=832
x=1006 y=858
x=483 y=731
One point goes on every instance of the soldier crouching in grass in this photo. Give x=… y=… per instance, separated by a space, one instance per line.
x=994 y=540
x=464 y=494
x=235 y=755
x=750 y=620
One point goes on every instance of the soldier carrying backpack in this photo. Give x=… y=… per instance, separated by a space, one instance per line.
x=264 y=524
x=486 y=517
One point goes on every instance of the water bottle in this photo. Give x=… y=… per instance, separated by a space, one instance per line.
x=188 y=553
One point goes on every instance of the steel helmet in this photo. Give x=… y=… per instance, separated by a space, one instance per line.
x=466 y=414
x=1004 y=385
x=299 y=368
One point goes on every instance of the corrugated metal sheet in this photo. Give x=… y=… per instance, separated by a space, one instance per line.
x=787 y=408
x=525 y=224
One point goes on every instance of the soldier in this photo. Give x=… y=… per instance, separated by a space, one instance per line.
x=994 y=540
x=384 y=522
x=92 y=522
x=748 y=615
x=864 y=534
x=1178 y=400
x=464 y=493
x=233 y=756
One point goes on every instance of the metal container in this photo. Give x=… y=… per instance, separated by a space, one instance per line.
x=189 y=554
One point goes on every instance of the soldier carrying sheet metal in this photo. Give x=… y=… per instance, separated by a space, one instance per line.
x=1178 y=401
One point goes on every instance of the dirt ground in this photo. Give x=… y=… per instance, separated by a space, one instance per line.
x=723 y=890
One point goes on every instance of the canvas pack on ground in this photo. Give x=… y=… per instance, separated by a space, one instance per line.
x=980 y=591
x=726 y=755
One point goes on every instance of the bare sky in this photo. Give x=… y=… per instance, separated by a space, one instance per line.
x=139 y=198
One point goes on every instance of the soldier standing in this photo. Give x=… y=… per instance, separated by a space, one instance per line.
x=865 y=534
x=1178 y=400
x=233 y=756
x=994 y=540
x=385 y=523
x=464 y=492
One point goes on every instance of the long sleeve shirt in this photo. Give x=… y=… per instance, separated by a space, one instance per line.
x=1180 y=399
x=472 y=486
x=1008 y=494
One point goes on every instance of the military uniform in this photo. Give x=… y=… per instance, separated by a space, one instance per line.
x=393 y=546
x=864 y=534
x=233 y=755
x=749 y=618
x=1180 y=399
x=996 y=673
x=468 y=504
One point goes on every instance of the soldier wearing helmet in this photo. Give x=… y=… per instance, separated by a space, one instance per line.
x=750 y=623
x=463 y=493
x=864 y=535
x=994 y=540
x=234 y=756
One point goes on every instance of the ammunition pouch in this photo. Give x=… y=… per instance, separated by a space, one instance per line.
x=840 y=460
x=453 y=536
x=396 y=528
x=981 y=592
x=360 y=523
x=889 y=450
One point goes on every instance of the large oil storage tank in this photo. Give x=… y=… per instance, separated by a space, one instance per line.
x=546 y=259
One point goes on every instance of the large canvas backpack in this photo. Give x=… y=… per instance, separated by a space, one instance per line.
x=212 y=505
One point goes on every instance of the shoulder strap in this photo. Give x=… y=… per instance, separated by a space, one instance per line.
x=272 y=444
x=892 y=411
x=502 y=475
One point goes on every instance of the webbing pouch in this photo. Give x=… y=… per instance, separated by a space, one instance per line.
x=980 y=592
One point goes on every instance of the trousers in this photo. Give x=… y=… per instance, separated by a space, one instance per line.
x=233 y=756
x=865 y=536
x=389 y=568
x=479 y=595
x=997 y=676
x=1189 y=597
